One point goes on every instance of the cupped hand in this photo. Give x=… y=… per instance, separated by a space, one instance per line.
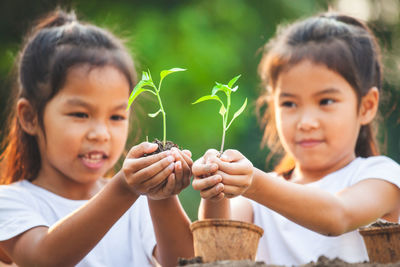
x=152 y=175
x=205 y=178
x=236 y=172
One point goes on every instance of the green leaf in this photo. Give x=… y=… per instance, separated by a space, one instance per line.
x=167 y=72
x=220 y=87
x=208 y=97
x=232 y=82
x=237 y=113
x=138 y=90
x=146 y=76
x=154 y=114
x=222 y=110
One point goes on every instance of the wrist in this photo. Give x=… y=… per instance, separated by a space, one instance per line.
x=251 y=190
x=123 y=187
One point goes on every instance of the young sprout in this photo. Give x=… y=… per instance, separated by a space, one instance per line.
x=224 y=110
x=146 y=84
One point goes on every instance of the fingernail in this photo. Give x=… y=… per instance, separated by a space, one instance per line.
x=219 y=187
x=171 y=166
x=178 y=164
x=224 y=157
x=170 y=158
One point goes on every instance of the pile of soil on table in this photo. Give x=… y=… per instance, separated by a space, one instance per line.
x=321 y=262
x=161 y=147
x=382 y=223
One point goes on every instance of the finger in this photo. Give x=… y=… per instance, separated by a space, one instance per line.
x=241 y=167
x=141 y=149
x=149 y=172
x=159 y=177
x=186 y=162
x=218 y=197
x=210 y=154
x=186 y=157
x=212 y=192
x=232 y=191
x=231 y=155
x=137 y=164
x=234 y=180
x=178 y=174
x=203 y=169
x=187 y=152
x=170 y=186
x=205 y=183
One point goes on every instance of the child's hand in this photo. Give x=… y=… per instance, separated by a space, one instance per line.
x=182 y=169
x=205 y=178
x=236 y=172
x=152 y=175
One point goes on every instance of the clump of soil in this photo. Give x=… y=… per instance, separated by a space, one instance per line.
x=322 y=261
x=382 y=223
x=161 y=147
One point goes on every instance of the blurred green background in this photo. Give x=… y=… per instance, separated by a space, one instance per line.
x=214 y=40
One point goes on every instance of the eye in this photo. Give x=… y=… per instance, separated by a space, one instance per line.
x=327 y=101
x=80 y=115
x=118 y=118
x=288 y=104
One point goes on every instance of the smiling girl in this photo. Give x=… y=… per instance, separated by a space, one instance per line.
x=69 y=128
x=323 y=80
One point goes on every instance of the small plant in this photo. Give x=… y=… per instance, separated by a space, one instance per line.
x=224 y=110
x=146 y=84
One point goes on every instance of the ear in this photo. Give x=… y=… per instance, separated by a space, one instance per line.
x=369 y=106
x=27 y=116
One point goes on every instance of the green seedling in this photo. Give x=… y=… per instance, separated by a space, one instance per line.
x=224 y=110
x=146 y=84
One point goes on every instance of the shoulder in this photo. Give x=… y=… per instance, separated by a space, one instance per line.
x=17 y=190
x=378 y=167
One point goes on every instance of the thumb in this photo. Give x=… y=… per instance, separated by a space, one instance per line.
x=231 y=155
x=141 y=149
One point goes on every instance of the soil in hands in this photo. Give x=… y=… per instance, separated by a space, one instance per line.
x=161 y=147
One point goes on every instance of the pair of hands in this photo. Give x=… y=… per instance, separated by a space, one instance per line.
x=157 y=176
x=216 y=177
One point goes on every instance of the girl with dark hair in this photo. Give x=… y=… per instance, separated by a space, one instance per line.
x=323 y=79
x=69 y=127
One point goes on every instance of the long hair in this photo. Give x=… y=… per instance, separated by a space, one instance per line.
x=54 y=45
x=341 y=43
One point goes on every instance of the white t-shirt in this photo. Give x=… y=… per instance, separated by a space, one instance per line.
x=287 y=243
x=129 y=242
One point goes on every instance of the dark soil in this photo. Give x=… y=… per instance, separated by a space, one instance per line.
x=161 y=147
x=321 y=262
x=382 y=223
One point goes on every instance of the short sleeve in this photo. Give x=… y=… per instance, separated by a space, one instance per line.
x=17 y=212
x=378 y=167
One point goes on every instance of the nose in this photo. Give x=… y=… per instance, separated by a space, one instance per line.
x=99 y=132
x=308 y=121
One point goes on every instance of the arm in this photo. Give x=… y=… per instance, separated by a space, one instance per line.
x=67 y=242
x=170 y=222
x=328 y=214
x=216 y=191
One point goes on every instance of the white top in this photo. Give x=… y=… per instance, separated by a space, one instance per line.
x=287 y=243
x=130 y=241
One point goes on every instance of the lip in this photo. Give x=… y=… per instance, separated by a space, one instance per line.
x=309 y=143
x=93 y=160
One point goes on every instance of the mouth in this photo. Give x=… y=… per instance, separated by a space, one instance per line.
x=309 y=142
x=93 y=159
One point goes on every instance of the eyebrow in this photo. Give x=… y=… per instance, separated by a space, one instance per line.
x=323 y=92
x=78 y=102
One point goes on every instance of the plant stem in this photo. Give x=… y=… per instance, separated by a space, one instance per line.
x=164 y=118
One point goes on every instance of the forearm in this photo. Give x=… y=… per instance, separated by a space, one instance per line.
x=172 y=230
x=72 y=238
x=215 y=209
x=312 y=208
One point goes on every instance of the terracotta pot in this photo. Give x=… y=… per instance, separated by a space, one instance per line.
x=221 y=239
x=383 y=243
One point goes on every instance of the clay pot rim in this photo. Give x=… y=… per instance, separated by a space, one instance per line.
x=226 y=222
x=370 y=230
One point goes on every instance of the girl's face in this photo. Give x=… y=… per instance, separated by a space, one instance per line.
x=316 y=117
x=85 y=126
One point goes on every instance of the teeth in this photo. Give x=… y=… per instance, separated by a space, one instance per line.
x=94 y=157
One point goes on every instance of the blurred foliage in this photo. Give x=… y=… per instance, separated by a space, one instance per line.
x=214 y=40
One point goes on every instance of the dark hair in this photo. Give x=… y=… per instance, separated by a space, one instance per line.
x=57 y=43
x=341 y=43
